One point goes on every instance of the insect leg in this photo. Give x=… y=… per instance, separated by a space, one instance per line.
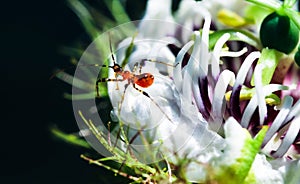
x=135 y=67
x=122 y=98
x=105 y=80
x=147 y=95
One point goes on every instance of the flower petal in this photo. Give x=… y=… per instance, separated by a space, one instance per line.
x=218 y=104
x=159 y=13
x=287 y=103
x=289 y=138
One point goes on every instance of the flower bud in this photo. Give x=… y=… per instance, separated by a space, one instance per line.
x=297 y=57
x=279 y=32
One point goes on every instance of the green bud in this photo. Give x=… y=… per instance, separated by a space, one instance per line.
x=279 y=32
x=297 y=57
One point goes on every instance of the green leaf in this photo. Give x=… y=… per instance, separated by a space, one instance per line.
x=247 y=93
x=117 y=10
x=273 y=99
x=128 y=52
x=69 y=138
x=269 y=60
x=239 y=155
x=256 y=13
x=235 y=35
x=294 y=16
x=270 y=4
x=84 y=96
x=297 y=57
x=86 y=18
x=289 y=3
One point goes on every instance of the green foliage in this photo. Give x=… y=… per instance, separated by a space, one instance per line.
x=235 y=35
x=239 y=171
x=69 y=138
x=269 y=60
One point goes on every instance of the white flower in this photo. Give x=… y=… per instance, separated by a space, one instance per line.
x=160 y=13
x=187 y=113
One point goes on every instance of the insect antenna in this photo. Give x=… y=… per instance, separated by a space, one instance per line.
x=118 y=70
x=110 y=48
x=160 y=62
x=73 y=67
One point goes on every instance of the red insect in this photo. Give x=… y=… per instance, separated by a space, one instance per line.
x=143 y=80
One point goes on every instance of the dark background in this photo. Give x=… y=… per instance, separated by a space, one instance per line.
x=31 y=34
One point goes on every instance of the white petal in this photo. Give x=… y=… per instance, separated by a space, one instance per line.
x=157 y=14
x=218 y=104
x=264 y=173
x=291 y=172
x=216 y=55
x=260 y=94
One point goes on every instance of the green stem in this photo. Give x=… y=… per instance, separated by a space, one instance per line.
x=289 y=3
x=69 y=138
x=270 y=4
x=294 y=16
x=85 y=17
x=120 y=15
x=236 y=35
x=91 y=161
x=117 y=11
x=269 y=60
x=89 y=24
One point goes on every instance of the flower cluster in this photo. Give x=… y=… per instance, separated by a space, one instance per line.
x=223 y=107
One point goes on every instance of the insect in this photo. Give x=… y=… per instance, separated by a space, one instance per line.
x=134 y=78
x=143 y=80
